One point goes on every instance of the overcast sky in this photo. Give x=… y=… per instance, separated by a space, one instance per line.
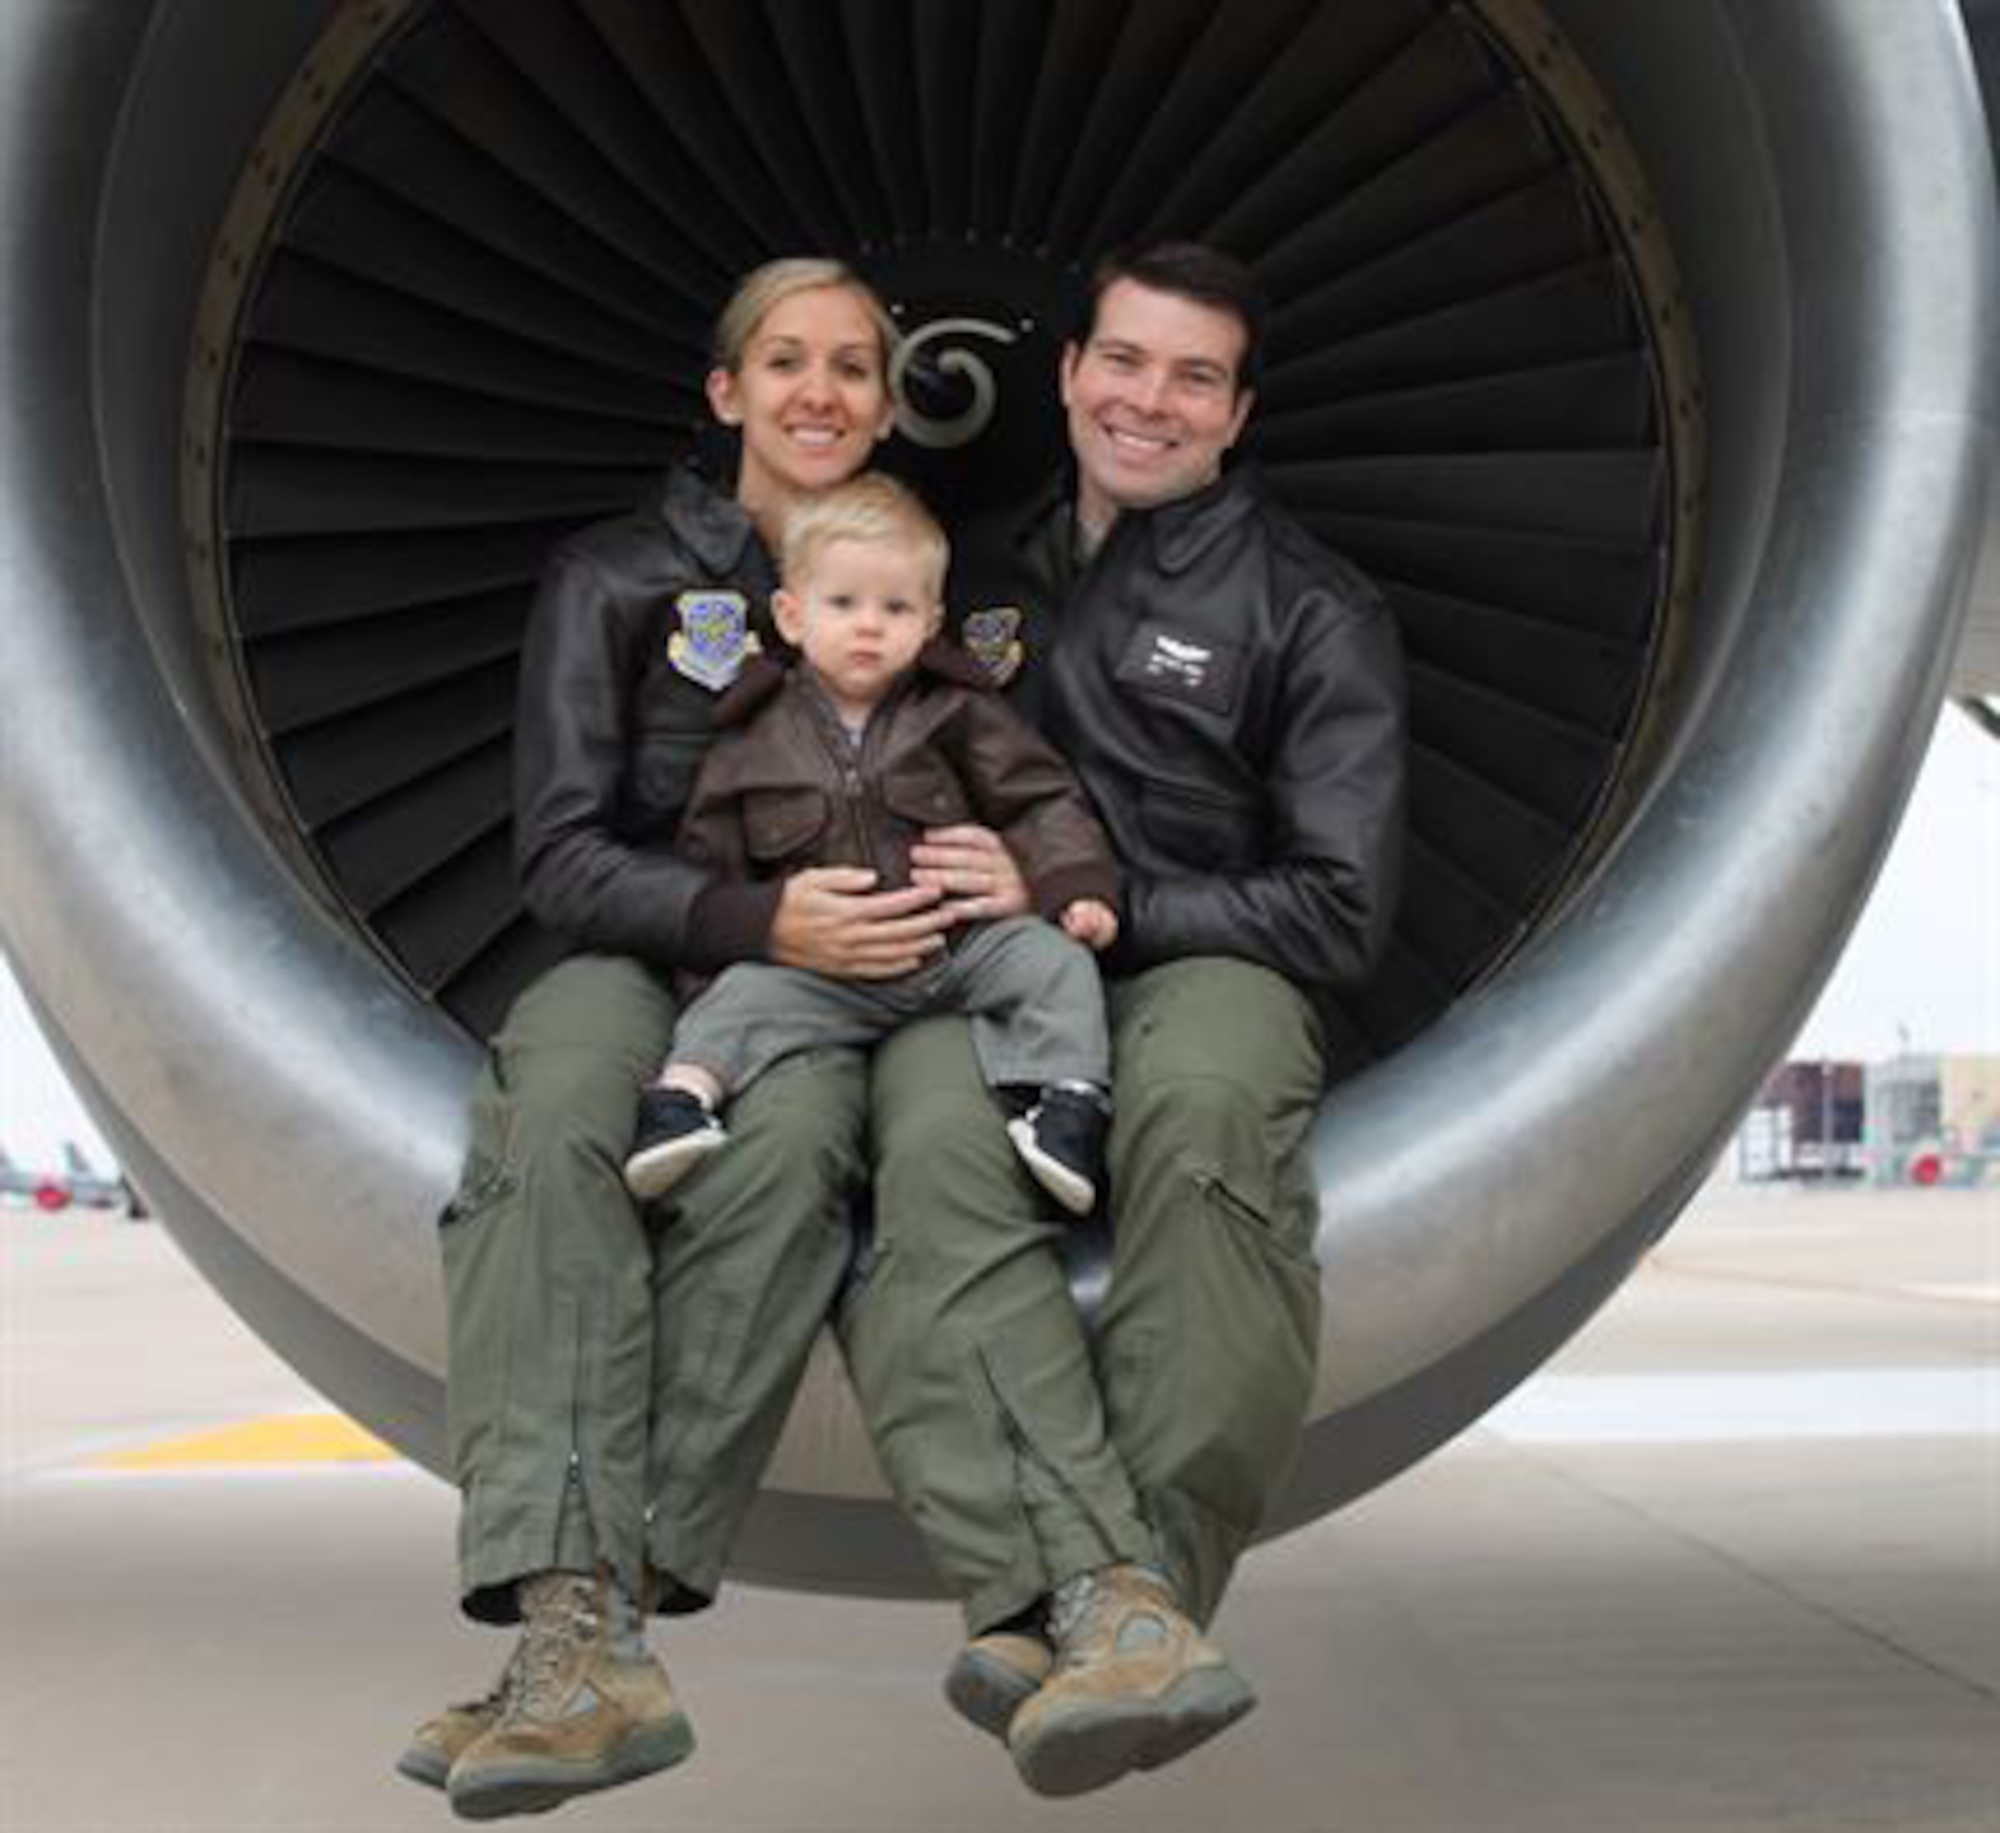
x=1922 y=971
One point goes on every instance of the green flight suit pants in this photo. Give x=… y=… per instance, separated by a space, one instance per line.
x=1024 y=1447
x=617 y=1383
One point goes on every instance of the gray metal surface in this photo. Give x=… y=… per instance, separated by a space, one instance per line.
x=1823 y=168
x=1977 y=669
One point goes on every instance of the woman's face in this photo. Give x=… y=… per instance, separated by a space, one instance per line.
x=811 y=395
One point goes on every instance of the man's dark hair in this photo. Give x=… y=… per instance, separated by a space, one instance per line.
x=1189 y=270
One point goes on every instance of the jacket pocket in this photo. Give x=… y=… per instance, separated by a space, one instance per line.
x=925 y=797
x=661 y=776
x=1206 y=831
x=778 y=823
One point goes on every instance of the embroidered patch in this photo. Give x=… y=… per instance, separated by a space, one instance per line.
x=992 y=638
x=714 y=639
x=1181 y=667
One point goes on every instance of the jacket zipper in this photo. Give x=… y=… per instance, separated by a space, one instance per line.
x=852 y=761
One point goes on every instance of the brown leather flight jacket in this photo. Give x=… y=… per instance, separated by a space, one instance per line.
x=783 y=787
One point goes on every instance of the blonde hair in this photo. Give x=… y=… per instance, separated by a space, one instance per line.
x=871 y=507
x=764 y=289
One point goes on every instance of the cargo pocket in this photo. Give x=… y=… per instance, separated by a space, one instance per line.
x=1246 y=1207
x=486 y=1176
x=481 y=1274
x=484 y=1182
x=1244 y=1370
x=478 y=1278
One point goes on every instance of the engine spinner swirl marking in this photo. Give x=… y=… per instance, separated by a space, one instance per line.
x=962 y=428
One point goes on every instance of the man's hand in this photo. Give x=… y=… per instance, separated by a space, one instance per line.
x=832 y=921
x=971 y=867
x=1090 y=922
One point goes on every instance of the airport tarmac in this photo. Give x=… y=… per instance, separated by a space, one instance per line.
x=1731 y=1562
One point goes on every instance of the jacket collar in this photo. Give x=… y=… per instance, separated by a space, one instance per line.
x=1184 y=530
x=1179 y=532
x=948 y=662
x=715 y=527
x=763 y=677
x=755 y=686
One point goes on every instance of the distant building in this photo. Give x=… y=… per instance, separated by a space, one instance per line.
x=1934 y=1120
x=1807 y=1123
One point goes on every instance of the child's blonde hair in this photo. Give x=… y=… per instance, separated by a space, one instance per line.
x=871 y=507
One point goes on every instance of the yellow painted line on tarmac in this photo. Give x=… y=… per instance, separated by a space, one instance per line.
x=288 y=1438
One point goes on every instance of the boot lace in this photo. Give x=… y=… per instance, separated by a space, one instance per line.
x=1072 y=1604
x=1081 y=1610
x=562 y=1618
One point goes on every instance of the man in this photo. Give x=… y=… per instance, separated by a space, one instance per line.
x=1231 y=695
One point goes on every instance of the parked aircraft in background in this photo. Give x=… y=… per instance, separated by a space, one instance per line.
x=44 y=1189
x=79 y=1183
x=96 y=1189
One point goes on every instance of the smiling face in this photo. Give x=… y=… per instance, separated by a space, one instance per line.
x=811 y=395
x=1153 y=399
x=859 y=614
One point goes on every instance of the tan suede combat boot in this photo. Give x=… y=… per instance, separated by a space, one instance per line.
x=995 y=1675
x=586 y=1708
x=438 y=1742
x=1135 y=1686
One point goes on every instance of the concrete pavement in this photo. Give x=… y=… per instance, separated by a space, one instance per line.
x=1731 y=1562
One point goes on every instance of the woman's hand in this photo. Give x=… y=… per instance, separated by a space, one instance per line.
x=973 y=871
x=1091 y=922
x=832 y=921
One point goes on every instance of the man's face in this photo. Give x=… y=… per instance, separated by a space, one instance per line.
x=1153 y=399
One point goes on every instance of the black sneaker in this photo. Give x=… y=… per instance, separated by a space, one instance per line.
x=675 y=1133
x=1061 y=1140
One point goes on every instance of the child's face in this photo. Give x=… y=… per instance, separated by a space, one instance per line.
x=859 y=616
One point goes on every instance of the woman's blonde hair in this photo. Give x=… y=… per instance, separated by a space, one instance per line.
x=765 y=288
x=871 y=507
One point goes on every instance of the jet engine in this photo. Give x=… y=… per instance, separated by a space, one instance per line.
x=1642 y=352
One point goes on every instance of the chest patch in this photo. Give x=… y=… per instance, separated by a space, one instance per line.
x=712 y=638
x=992 y=638
x=1180 y=667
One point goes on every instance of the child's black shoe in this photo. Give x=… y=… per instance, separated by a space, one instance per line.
x=1061 y=1140
x=675 y=1133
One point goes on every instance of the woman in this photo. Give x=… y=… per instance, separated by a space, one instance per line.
x=617 y=1382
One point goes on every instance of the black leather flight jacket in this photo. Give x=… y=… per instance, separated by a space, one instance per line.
x=1232 y=695
x=614 y=719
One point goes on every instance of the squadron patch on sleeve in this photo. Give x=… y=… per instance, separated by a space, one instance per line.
x=992 y=638
x=713 y=638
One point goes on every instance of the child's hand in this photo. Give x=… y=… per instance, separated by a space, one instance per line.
x=1093 y=924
